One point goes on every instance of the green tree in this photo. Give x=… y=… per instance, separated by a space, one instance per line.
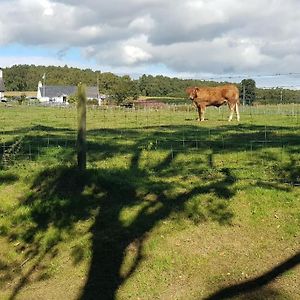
x=124 y=89
x=26 y=77
x=21 y=99
x=73 y=99
x=142 y=85
x=247 y=91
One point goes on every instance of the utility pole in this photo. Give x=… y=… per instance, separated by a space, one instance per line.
x=281 y=96
x=98 y=93
x=44 y=84
x=244 y=95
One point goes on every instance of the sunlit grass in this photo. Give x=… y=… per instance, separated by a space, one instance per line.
x=172 y=207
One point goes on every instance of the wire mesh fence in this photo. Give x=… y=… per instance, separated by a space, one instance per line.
x=266 y=137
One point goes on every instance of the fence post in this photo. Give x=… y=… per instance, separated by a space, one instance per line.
x=81 y=129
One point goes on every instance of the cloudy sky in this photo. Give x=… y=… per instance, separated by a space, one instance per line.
x=182 y=38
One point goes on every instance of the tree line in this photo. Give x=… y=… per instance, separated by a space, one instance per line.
x=26 y=78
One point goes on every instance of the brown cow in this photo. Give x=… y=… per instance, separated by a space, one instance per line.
x=215 y=96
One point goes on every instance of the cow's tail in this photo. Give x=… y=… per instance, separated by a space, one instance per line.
x=237 y=96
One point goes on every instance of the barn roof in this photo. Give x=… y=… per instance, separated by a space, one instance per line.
x=2 y=87
x=53 y=91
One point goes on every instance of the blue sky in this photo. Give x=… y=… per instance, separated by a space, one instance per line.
x=13 y=53
x=186 y=39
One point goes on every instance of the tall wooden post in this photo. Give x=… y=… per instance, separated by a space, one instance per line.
x=81 y=129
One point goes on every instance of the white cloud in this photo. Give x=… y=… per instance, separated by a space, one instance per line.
x=142 y=24
x=186 y=37
x=134 y=54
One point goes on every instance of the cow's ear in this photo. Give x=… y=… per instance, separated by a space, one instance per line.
x=196 y=89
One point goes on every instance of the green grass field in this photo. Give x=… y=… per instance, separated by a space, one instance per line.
x=168 y=208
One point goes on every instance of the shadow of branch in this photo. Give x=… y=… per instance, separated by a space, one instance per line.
x=258 y=282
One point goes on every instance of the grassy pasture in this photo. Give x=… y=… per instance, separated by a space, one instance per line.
x=169 y=208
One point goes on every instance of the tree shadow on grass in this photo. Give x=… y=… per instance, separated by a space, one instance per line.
x=61 y=197
x=8 y=178
x=257 y=286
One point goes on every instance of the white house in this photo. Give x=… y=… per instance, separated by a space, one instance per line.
x=2 y=87
x=60 y=94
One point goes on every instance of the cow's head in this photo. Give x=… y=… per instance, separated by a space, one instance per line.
x=192 y=92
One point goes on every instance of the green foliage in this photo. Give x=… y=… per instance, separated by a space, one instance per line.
x=277 y=95
x=26 y=77
x=17 y=78
x=107 y=81
x=247 y=91
x=122 y=88
x=92 y=102
x=21 y=99
x=72 y=99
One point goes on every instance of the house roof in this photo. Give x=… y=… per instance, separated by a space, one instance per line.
x=2 y=87
x=53 y=91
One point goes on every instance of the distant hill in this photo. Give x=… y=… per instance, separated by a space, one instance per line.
x=26 y=77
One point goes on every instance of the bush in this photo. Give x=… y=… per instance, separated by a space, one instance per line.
x=92 y=102
x=21 y=99
x=72 y=99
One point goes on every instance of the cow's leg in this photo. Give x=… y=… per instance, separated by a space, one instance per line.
x=232 y=108
x=201 y=115
x=237 y=112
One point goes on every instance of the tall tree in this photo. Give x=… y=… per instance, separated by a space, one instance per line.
x=124 y=89
x=247 y=91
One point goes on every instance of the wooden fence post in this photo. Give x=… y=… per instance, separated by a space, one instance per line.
x=81 y=129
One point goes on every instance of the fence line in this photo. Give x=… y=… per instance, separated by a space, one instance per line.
x=115 y=125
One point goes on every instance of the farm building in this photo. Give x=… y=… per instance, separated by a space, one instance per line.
x=2 y=87
x=60 y=94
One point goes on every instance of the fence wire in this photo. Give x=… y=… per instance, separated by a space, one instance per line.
x=172 y=129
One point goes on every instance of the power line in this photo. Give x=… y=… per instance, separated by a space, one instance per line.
x=252 y=76
x=279 y=87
